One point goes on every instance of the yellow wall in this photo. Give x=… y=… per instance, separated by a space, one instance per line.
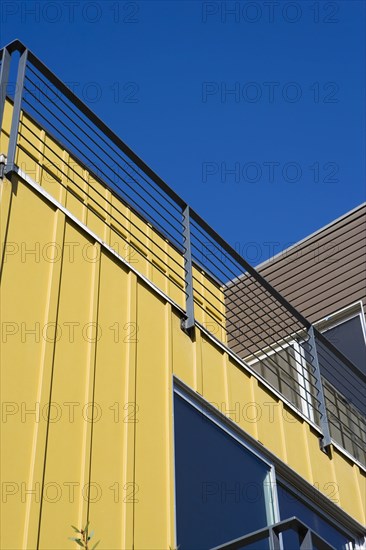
x=47 y=163
x=60 y=284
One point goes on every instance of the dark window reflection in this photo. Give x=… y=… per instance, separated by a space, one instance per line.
x=221 y=487
x=349 y=339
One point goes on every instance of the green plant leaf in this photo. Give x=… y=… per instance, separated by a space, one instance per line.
x=86 y=526
x=75 y=529
x=91 y=534
x=95 y=545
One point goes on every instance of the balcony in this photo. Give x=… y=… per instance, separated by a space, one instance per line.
x=302 y=538
x=55 y=143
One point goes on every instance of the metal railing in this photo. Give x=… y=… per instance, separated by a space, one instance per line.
x=270 y=537
x=212 y=284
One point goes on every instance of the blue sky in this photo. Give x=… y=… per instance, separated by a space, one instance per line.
x=254 y=112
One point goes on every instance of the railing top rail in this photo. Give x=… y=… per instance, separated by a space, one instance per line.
x=250 y=269
x=16 y=45
x=246 y=268
x=291 y=523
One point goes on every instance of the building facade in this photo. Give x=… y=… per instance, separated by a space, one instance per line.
x=153 y=382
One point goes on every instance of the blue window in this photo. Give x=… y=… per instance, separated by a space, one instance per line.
x=223 y=490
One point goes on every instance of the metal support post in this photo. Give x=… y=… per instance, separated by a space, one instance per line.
x=188 y=321
x=324 y=423
x=16 y=112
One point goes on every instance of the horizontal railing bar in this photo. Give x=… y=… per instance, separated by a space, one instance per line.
x=101 y=137
x=292 y=523
x=270 y=358
x=247 y=267
x=276 y=346
x=103 y=127
x=356 y=391
x=324 y=340
x=268 y=314
x=138 y=208
x=93 y=164
x=156 y=190
x=111 y=215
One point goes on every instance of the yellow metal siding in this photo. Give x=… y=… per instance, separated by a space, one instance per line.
x=130 y=447
x=47 y=163
x=126 y=369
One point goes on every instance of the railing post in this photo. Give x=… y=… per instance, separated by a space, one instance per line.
x=18 y=96
x=4 y=79
x=274 y=539
x=188 y=322
x=306 y=542
x=324 y=423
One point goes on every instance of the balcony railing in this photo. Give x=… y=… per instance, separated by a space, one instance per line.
x=95 y=176
x=270 y=538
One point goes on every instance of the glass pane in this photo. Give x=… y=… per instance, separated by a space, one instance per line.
x=290 y=506
x=220 y=485
x=349 y=338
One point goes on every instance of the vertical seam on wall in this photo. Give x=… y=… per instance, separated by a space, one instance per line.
x=135 y=401
x=96 y=306
x=307 y=435
x=50 y=393
x=131 y=289
x=7 y=222
x=89 y=360
x=282 y=433
x=35 y=438
x=226 y=382
x=253 y=381
x=168 y=418
x=361 y=503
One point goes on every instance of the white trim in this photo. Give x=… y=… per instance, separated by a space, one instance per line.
x=203 y=406
x=304 y=383
x=147 y=281
x=259 y=377
x=85 y=228
x=300 y=366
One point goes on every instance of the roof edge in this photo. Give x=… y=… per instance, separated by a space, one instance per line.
x=308 y=237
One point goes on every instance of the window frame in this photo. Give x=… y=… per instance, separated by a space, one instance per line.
x=271 y=499
x=320 y=512
x=230 y=427
x=304 y=392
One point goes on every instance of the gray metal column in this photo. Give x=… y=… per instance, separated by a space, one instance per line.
x=307 y=541
x=16 y=112
x=4 y=79
x=188 y=322
x=274 y=540
x=324 y=423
